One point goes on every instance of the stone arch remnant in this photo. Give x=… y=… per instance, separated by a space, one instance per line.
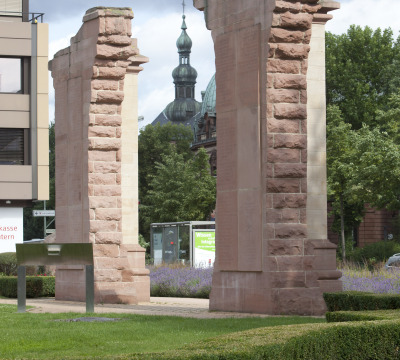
x=96 y=127
x=272 y=255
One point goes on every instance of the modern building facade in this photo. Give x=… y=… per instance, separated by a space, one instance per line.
x=24 y=145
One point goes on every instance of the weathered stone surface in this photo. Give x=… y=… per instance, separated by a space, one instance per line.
x=284 y=155
x=109 y=72
x=290 y=170
x=290 y=111
x=296 y=21
x=292 y=231
x=290 y=81
x=108 y=214
x=110 y=96
x=283 y=66
x=108 y=120
x=105 y=84
x=283 y=126
x=289 y=200
x=285 y=247
x=283 y=185
x=282 y=216
x=292 y=51
x=290 y=141
x=279 y=35
x=283 y=96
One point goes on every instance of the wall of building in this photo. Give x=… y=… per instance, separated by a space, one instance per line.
x=27 y=109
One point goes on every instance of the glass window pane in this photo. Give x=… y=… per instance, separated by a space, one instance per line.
x=11 y=146
x=10 y=75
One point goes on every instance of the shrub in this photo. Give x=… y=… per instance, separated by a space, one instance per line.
x=344 y=316
x=378 y=340
x=358 y=301
x=374 y=253
x=180 y=282
x=36 y=286
x=8 y=263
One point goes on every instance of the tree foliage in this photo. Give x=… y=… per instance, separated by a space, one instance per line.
x=363 y=167
x=180 y=190
x=362 y=71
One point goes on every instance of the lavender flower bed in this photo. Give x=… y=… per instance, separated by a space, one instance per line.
x=378 y=282
x=180 y=282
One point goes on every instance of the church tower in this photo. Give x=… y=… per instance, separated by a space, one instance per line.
x=185 y=108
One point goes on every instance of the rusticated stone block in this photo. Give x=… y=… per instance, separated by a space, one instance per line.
x=108 y=214
x=283 y=96
x=102 y=179
x=104 y=167
x=284 y=6
x=108 y=238
x=292 y=231
x=296 y=21
x=109 y=72
x=283 y=126
x=102 y=226
x=96 y=155
x=105 y=250
x=290 y=81
x=102 y=131
x=110 y=109
x=283 y=156
x=290 y=111
x=289 y=201
x=279 y=35
x=105 y=84
x=291 y=141
x=105 y=51
x=289 y=263
x=290 y=170
x=288 y=279
x=292 y=51
x=115 y=40
x=283 y=66
x=112 y=97
x=104 y=144
x=285 y=247
x=282 y=216
x=283 y=185
x=108 y=120
x=96 y=202
x=107 y=190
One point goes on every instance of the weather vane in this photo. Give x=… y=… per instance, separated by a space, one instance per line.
x=183 y=5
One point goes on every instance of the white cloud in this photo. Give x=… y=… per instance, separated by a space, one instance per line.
x=374 y=13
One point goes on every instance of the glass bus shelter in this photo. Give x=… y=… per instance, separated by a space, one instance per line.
x=174 y=242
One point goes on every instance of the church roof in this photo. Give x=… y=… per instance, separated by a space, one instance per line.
x=209 y=100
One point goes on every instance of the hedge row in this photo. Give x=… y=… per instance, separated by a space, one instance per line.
x=36 y=286
x=343 y=316
x=359 y=301
x=379 y=340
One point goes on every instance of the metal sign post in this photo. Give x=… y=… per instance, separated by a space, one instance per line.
x=55 y=254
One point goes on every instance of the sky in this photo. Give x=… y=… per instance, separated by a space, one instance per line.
x=156 y=25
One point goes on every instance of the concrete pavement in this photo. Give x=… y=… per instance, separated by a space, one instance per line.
x=185 y=307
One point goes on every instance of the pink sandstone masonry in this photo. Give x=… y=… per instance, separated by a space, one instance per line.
x=95 y=81
x=270 y=257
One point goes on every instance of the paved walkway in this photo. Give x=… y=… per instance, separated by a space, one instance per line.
x=195 y=308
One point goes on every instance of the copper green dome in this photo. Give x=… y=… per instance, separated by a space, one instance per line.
x=184 y=42
x=182 y=110
x=184 y=73
x=209 y=99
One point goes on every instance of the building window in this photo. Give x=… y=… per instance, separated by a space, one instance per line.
x=12 y=149
x=11 y=75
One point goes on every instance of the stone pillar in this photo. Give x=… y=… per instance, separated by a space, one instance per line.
x=95 y=81
x=265 y=259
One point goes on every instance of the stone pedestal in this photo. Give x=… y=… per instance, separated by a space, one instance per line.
x=95 y=81
x=272 y=252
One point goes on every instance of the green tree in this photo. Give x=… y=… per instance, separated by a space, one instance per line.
x=361 y=72
x=340 y=169
x=180 y=190
x=154 y=143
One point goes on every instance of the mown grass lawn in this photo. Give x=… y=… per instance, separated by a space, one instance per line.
x=50 y=336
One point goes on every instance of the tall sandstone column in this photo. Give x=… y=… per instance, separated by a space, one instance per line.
x=95 y=82
x=272 y=252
